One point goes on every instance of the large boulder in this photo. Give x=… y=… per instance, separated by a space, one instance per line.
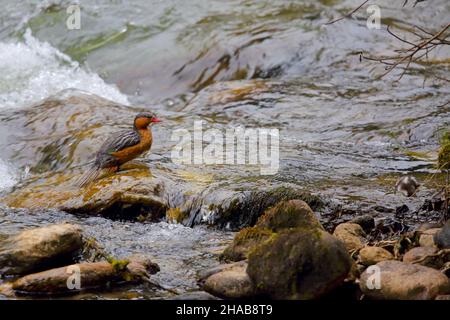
x=403 y=281
x=351 y=234
x=289 y=214
x=284 y=215
x=36 y=249
x=130 y=193
x=299 y=264
x=244 y=241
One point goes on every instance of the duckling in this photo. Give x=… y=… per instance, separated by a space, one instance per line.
x=407 y=185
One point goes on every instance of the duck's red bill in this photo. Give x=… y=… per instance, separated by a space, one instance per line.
x=156 y=120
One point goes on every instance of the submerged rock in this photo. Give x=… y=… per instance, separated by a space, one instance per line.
x=299 y=264
x=91 y=275
x=403 y=281
x=38 y=248
x=244 y=210
x=351 y=234
x=372 y=255
x=442 y=237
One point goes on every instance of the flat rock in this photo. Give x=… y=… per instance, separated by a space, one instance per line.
x=35 y=249
x=90 y=275
x=403 y=281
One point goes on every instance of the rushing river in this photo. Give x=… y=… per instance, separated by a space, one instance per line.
x=343 y=133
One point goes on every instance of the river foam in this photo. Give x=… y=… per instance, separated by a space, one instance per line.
x=33 y=70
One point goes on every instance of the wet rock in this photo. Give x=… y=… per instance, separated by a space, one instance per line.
x=372 y=255
x=232 y=282
x=400 y=211
x=284 y=215
x=244 y=241
x=6 y=290
x=366 y=221
x=426 y=256
x=125 y=194
x=403 y=281
x=426 y=238
x=57 y=139
x=351 y=234
x=289 y=214
x=39 y=248
x=196 y=295
x=299 y=264
x=442 y=237
x=91 y=275
x=204 y=274
x=245 y=209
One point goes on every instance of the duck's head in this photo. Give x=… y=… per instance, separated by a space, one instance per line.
x=144 y=119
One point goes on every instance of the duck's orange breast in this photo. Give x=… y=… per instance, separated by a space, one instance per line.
x=132 y=152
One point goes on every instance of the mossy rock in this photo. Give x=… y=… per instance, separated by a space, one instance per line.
x=289 y=214
x=244 y=241
x=245 y=210
x=299 y=264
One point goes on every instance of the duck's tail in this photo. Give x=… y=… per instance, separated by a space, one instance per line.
x=91 y=175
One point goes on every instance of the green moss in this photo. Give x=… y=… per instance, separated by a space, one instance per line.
x=289 y=214
x=444 y=152
x=244 y=241
x=118 y=265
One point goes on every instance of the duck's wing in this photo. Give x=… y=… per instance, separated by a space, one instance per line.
x=119 y=141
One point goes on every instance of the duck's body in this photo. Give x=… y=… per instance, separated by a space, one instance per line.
x=122 y=147
x=407 y=185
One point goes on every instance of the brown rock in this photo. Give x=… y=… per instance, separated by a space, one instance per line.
x=299 y=264
x=351 y=234
x=426 y=256
x=37 y=248
x=372 y=255
x=230 y=283
x=403 y=281
x=91 y=275
x=426 y=238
